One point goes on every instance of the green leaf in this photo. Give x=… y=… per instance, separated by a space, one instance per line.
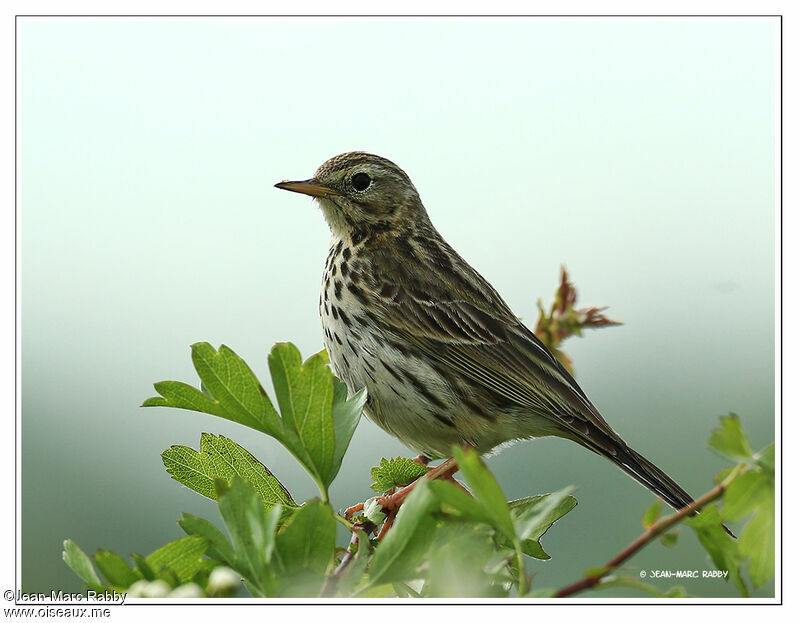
x=534 y=515
x=346 y=415
x=748 y=492
x=114 y=569
x=459 y=559
x=719 y=545
x=729 y=439
x=753 y=492
x=652 y=514
x=232 y=383
x=219 y=546
x=403 y=549
x=456 y=502
x=305 y=397
x=79 y=562
x=182 y=557
x=485 y=490
x=765 y=459
x=252 y=531
x=669 y=539
x=142 y=567
x=757 y=544
x=304 y=550
x=221 y=458
x=396 y=472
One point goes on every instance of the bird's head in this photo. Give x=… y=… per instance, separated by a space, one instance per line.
x=357 y=190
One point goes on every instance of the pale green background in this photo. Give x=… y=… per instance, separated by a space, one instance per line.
x=640 y=153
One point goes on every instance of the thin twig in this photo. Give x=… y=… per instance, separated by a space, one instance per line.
x=650 y=534
x=393 y=501
x=329 y=587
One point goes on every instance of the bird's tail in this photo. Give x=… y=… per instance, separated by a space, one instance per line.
x=647 y=474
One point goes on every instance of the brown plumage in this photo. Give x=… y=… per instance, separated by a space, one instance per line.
x=442 y=356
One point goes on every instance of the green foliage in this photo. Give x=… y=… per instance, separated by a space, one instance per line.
x=396 y=472
x=444 y=541
x=729 y=439
x=751 y=494
x=652 y=514
x=316 y=421
x=221 y=458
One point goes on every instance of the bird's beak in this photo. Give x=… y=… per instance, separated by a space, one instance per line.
x=311 y=187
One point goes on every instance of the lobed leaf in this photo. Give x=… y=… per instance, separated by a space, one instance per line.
x=533 y=516
x=729 y=439
x=720 y=546
x=222 y=458
x=305 y=397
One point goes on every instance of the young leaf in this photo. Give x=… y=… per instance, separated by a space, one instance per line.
x=652 y=514
x=182 y=557
x=754 y=492
x=533 y=516
x=719 y=545
x=403 y=548
x=757 y=543
x=221 y=458
x=396 y=472
x=79 y=562
x=219 y=546
x=304 y=549
x=669 y=539
x=729 y=439
x=114 y=569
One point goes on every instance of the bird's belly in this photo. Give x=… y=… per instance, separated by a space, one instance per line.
x=406 y=395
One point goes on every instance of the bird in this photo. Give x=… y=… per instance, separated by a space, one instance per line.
x=443 y=358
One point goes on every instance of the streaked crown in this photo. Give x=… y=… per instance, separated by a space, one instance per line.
x=361 y=190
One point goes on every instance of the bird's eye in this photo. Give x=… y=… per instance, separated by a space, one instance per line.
x=361 y=181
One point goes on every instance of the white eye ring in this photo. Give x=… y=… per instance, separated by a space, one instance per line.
x=361 y=181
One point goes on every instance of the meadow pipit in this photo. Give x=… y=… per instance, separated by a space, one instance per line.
x=443 y=358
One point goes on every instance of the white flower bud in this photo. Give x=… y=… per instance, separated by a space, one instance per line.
x=187 y=591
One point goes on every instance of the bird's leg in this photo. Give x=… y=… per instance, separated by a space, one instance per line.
x=422 y=460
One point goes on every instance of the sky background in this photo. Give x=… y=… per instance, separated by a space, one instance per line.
x=638 y=153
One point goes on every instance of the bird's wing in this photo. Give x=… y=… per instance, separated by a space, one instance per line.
x=495 y=350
